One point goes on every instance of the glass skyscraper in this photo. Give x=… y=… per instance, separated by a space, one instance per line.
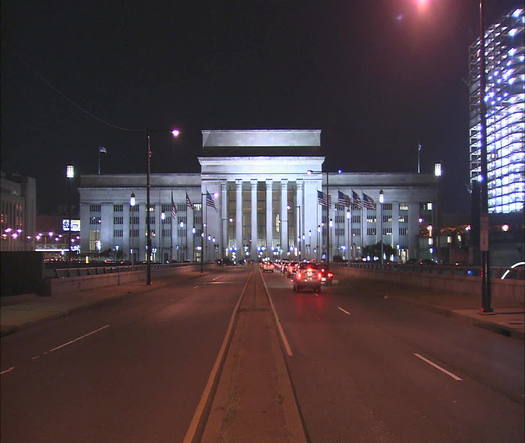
x=505 y=112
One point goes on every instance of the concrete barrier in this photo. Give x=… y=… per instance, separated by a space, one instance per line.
x=64 y=285
x=503 y=291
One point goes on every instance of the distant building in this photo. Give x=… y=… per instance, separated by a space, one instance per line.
x=505 y=112
x=258 y=195
x=17 y=212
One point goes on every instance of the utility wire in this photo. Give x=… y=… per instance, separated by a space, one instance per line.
x=70 y=100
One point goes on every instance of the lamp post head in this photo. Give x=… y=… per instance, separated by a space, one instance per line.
x=381 y=197
x=132 y=200
x=163 y=216
x=175 y=132
x=70 y=171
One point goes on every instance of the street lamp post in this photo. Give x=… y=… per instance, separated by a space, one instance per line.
x=162 y=218
x=310 y=172
x=381 y=201
x=484 y=216
x=175 y=133
x=348 y=235
x=132 y=203
x=70 y=174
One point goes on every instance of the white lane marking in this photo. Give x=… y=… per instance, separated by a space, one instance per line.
x=431 y=363
x=344 y=310
x=35 y=357
x=277 y=321
x=214 y=374
x=78 y=338
x=196 y=286
x=7 y=370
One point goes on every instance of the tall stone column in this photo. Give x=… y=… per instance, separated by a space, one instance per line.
x=84 y=227
x=413 y=230
x=106 y=226
x=395 y=223
x=141 y=241
x=299 y=222
x=284 y=217
x=269 y=220
x=224 y=217
x=174 y=235
x=188 y=247
x=253 y=251
x=238 y=217
x=125 y=229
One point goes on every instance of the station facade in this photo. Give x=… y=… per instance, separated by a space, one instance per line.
x=260 y=193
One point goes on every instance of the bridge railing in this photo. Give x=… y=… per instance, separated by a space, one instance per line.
x=100 y=270
x=470 y=271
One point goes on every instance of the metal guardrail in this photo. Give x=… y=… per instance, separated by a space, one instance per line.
x=469 y=271
x=98 y=270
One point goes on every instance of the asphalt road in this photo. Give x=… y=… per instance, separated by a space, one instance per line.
x=368 y=369
x=364 y=367
x=131 y=371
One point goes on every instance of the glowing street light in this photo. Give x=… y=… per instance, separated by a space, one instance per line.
x=175 y=133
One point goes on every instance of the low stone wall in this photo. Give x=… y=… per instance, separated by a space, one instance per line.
x=64 y=285
x=503 y=291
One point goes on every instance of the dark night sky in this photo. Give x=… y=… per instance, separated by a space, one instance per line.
x=375 y=75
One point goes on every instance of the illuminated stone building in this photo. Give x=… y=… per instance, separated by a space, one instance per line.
x=264 y=185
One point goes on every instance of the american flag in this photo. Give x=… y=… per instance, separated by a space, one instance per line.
x=368 y=202
x=344 y=199
x=322 y=199
x=173 y=208
x=356 y=200
x=209 y=200
x=189 y=204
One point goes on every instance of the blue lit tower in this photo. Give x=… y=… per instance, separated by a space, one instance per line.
x=505 y=112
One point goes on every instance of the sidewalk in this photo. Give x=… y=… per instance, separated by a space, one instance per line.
x=20 y=311
x=507 y=319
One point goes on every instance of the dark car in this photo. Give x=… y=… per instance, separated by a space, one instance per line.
x=307 y=276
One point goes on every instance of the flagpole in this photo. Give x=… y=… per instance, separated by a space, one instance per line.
x=419 y=158
x=327 y=220
x=202 y=233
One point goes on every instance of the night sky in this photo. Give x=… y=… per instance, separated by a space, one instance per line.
x=375 y=75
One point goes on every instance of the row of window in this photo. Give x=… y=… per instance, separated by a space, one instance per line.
x=371 y=231
x=181 y=207
x=119 y=233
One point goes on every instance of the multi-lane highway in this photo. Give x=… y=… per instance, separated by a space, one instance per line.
x=363 y=367
x=137 y=377
x=366 y=368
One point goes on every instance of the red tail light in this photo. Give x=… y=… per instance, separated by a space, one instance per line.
x=330 y=275
x=319 y=275
x=299 y=276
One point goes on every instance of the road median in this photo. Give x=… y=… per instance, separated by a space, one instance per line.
x=254 y=399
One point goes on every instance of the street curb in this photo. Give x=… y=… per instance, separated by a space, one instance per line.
x=493 y=327
x=5 y=331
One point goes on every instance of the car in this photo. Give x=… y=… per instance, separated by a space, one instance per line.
x=327 y=277
x=290 y=269
x=284 y=266
x=307 y=276
x=268 y=267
